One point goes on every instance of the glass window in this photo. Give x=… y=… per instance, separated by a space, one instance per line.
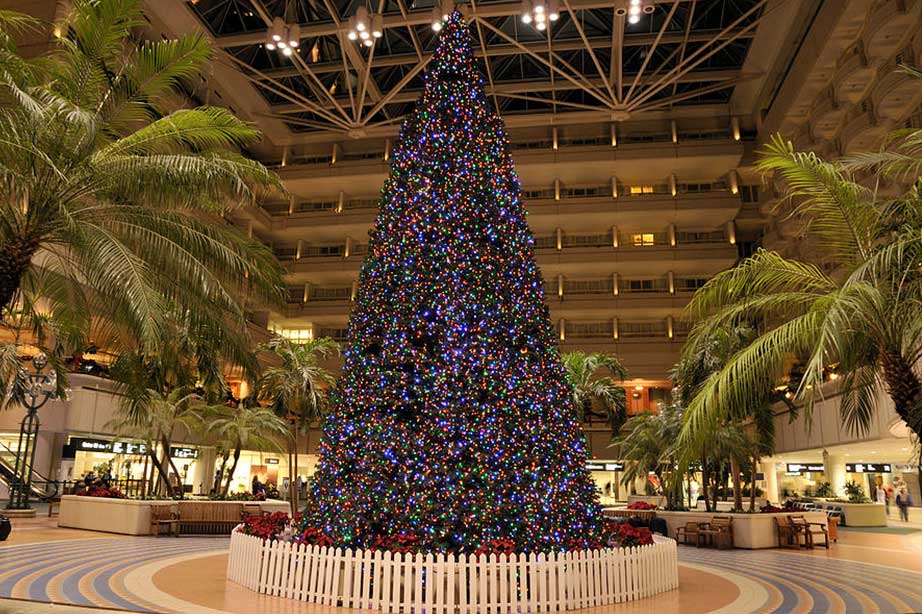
x=642 y=239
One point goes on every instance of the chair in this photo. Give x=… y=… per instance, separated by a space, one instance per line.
x=164 y=516
x=812 y=529
x=690 y=528
x=719 y=532
x=789 y=535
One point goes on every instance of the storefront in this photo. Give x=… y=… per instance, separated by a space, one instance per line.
x=122 y=460
x=607 y=477
x=802 y=478
x=271 y=468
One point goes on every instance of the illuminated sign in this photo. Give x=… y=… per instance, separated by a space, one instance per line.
x=272 y=461
x=604 y=466
x=184 y=452
x=868 y=468
x=798 y=468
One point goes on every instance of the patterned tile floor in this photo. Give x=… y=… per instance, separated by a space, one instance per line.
x=864 y=572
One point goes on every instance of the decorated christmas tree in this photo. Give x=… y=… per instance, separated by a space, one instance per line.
x=452 y=423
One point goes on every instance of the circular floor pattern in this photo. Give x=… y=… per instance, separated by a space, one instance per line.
x=120 y=573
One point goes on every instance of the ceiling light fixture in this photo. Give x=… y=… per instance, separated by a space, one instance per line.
x=441 y=13
x=365 y=27
x=633 y=10
x=283 y=36
x=540 y=12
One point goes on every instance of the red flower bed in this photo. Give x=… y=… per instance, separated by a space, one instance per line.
x=496 y=546
x=641 y=505
x=105 y=493
x=771 y=509
x=613 y=535
x=312 y=536
x=265 y=527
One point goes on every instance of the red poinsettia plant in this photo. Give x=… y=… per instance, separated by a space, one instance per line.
x=400 y=542
x=641 y=505
x=771 y=509
x=104 y=492
x=265 y=527
x=625 y=535
x=312 y=536
x=496 y=546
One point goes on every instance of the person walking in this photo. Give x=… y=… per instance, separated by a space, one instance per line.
x=903 y=501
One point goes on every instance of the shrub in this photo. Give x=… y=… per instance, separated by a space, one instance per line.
x=855 y=493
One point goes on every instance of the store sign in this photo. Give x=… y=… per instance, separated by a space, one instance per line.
x=91 y=445
x=801 y=468
x=123 y=447
x=184 y=452
x=604 y=466
x=272 y=461
x=868 y=468
x=101 y=445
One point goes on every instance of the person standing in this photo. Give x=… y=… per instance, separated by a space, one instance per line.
x=903 y=501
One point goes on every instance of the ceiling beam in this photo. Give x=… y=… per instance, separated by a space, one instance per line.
x=630 y=40
x=413 y=18
x=543 y=85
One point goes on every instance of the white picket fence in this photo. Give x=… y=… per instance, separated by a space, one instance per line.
x=446 y=584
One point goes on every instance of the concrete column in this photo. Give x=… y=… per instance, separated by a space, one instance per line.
x=767 y=467
x=834 y=467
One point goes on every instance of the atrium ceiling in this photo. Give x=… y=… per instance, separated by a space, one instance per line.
x=592 y=63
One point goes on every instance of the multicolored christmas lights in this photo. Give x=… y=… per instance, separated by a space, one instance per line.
x=452 y=421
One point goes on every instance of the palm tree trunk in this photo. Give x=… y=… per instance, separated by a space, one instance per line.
x=717 y=477
x=752 y=484
x=166 y=452
x=219 y=476
x=15 y=258
x=737 y=484
x=230 y=476
x=704 y=484
x=161 y=470
x=904 y=388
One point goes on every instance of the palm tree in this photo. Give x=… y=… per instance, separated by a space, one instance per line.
x=297 y=389
x=591 y=389
x=648 y=444
x=253 y=428
x=862 y=317
x=111 y=194
x=746 y=431
x=157 y=425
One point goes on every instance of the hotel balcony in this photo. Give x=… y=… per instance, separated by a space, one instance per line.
x=574 y=161
x=633 y=254
x=709 y=205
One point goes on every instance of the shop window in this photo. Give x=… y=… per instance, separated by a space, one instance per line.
x=641 y=189
x=642 y=239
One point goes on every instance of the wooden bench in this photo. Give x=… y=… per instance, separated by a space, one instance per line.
x=54 y=507
x=164 y=516
x=209 y=518
x=811 y=530
x=789 y=535
x=719 y=532
x=623 y=512
x=690 y=529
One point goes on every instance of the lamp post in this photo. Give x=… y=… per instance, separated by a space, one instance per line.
x=39 y=388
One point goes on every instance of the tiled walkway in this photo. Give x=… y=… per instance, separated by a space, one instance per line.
x=865 y=572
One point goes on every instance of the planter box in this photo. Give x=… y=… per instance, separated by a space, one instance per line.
x=858 y=514
x=752 y=531
x=126 y=516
